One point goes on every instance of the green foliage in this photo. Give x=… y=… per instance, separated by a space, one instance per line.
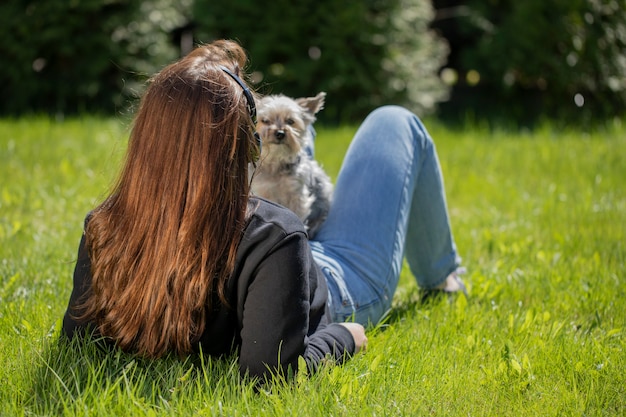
x=79 y=56
x=562 y=59
x=520 y=61
x=94 y=55
x=538 y=218
x=363 y=54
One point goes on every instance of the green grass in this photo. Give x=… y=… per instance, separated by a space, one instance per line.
x=538 y=217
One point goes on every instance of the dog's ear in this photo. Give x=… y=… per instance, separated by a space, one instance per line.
x=312 y=104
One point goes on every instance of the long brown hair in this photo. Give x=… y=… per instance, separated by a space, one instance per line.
x=163 y=244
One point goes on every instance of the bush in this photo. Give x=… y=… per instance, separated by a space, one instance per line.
x=363 y=54
x=561 y=59
x=80 y=56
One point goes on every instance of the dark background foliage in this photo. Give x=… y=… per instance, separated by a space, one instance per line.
x=76 y=56
x=559 y=59
x=58 y=56
x=351 y=50
x=497 y=59
x=300 y=48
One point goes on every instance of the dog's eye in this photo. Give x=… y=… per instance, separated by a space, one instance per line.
x=290 y=121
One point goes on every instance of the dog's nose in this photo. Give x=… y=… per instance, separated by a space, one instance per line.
x=280 y=134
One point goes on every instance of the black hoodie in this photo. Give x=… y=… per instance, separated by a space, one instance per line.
x=277 y=295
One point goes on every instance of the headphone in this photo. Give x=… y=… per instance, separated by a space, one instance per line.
x=251 y=109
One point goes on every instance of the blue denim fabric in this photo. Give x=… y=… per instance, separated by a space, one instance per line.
x=389 y=201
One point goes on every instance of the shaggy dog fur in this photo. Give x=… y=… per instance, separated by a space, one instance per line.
x=287 y=174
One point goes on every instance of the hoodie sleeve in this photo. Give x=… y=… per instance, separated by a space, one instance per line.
x=82 y=282
x=275 y=319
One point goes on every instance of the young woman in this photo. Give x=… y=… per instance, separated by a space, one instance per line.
x=180 y=257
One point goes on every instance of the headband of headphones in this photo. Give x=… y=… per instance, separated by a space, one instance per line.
x=251 y=109
x=246 y=92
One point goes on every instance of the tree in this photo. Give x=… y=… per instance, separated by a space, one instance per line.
x=562 y=59
x=363 y=54
x=81 y=56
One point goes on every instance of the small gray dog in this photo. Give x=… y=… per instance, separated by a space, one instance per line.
x=287 y=174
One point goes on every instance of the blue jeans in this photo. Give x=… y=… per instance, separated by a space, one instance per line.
x=389 y=202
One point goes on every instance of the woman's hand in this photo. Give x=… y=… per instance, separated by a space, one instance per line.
x=358 y=334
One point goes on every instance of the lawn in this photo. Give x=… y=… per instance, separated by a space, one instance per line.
x=539 y=218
